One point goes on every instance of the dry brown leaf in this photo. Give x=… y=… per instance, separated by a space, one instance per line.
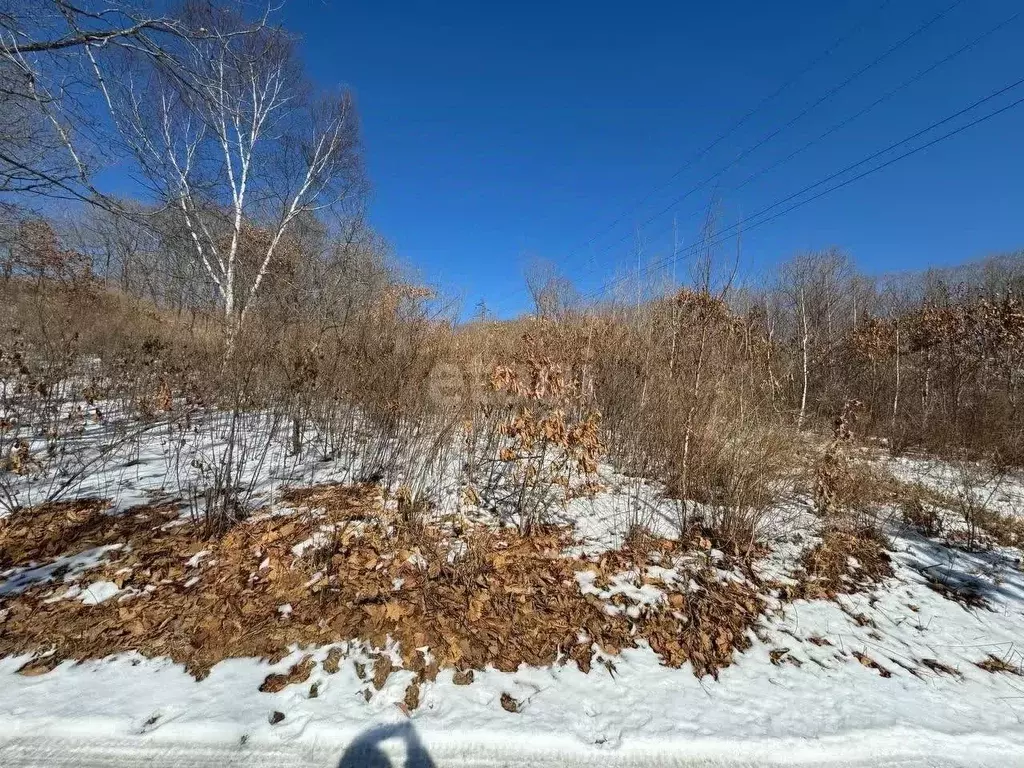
x=382 y=668
x=509 y=704
x=332 y=663
x=412 y=696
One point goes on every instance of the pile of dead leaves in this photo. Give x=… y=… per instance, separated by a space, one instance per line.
x=843 y=562
x=346 y=567
x=56 y=528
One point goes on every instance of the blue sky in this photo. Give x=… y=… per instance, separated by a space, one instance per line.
x=497 y=132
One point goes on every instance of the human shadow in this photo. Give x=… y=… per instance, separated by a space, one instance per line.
x=367 y=752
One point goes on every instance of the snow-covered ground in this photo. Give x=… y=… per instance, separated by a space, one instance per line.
x=881 y=678
x=815 y=705
x=1000 y=491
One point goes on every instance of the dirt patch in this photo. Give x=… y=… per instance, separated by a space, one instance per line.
x=347 y=569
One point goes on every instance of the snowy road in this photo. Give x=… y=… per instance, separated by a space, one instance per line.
x=866 y=751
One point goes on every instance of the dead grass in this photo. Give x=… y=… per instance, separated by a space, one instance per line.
x=851 y=492
x=1005 y=530
x=939 y=668
x=481 y=598
x=995 y=664
x=844 y=562
x=920 y=514
x=963 y=594
x=920 y=508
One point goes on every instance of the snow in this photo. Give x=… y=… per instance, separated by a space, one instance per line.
x=603 y=519
x=160 y=459
x=318 y=541
x=816 y=704
x=99 y=592
x=197 y=558
x=624 y=584
x=829 y=708
x=1003 y=493
x=417 y=560
x=400 y=744
x=69 y=568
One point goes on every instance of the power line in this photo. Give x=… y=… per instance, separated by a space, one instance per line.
x=885 y=97
x=764 y=140
x=888 y=95
x=725 y=233
x=740 y=123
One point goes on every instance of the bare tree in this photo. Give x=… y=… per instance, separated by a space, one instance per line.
x=52 y=135
x=11 y=218
x=122 y=244
x=552 y=293
x=817 y=291
x=232 y=136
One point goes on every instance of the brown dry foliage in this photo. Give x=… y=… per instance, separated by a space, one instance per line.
x=60 y=528
x=332 y=663
x=298 y=673
x=412 y=696
x=995 y=664
x=826 y=569
x=849 y=492
x=870 y=663
x=550 y=433
x=508 y=600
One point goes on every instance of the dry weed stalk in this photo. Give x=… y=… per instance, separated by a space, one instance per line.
x=544 y=446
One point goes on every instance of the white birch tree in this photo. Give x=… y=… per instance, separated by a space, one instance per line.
x=51 y=140
x=230 y=134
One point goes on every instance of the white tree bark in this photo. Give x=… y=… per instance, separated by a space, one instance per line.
x=230 y=141
x=896 y=394
x=804 y=345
